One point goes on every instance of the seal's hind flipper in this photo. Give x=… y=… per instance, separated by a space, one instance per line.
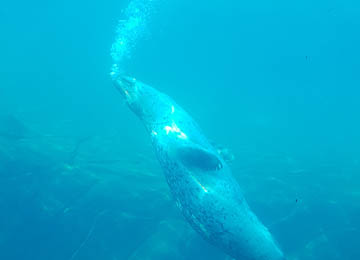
x=198 y=158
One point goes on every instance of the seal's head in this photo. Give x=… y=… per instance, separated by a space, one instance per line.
x=128 y=87
x=146 y=102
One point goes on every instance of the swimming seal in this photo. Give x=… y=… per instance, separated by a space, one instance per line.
x=200 y=180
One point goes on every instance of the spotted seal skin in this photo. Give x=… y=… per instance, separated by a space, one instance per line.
x=200 y=180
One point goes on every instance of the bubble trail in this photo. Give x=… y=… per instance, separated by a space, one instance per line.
x=129 y=31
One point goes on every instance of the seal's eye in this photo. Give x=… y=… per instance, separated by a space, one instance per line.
x=197 y=158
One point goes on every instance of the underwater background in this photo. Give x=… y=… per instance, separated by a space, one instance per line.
x=275 y=83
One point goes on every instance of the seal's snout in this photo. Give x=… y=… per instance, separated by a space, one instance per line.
x=126 y=85
x=128 y=81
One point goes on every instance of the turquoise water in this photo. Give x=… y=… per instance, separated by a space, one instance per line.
x=276 y=83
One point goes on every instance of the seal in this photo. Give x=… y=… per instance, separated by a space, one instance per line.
x=200 y=180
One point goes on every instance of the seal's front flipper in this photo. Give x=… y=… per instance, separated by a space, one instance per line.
x=198 y=158
x=225 y=153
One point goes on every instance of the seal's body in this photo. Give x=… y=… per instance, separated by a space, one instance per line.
x=200 y=180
